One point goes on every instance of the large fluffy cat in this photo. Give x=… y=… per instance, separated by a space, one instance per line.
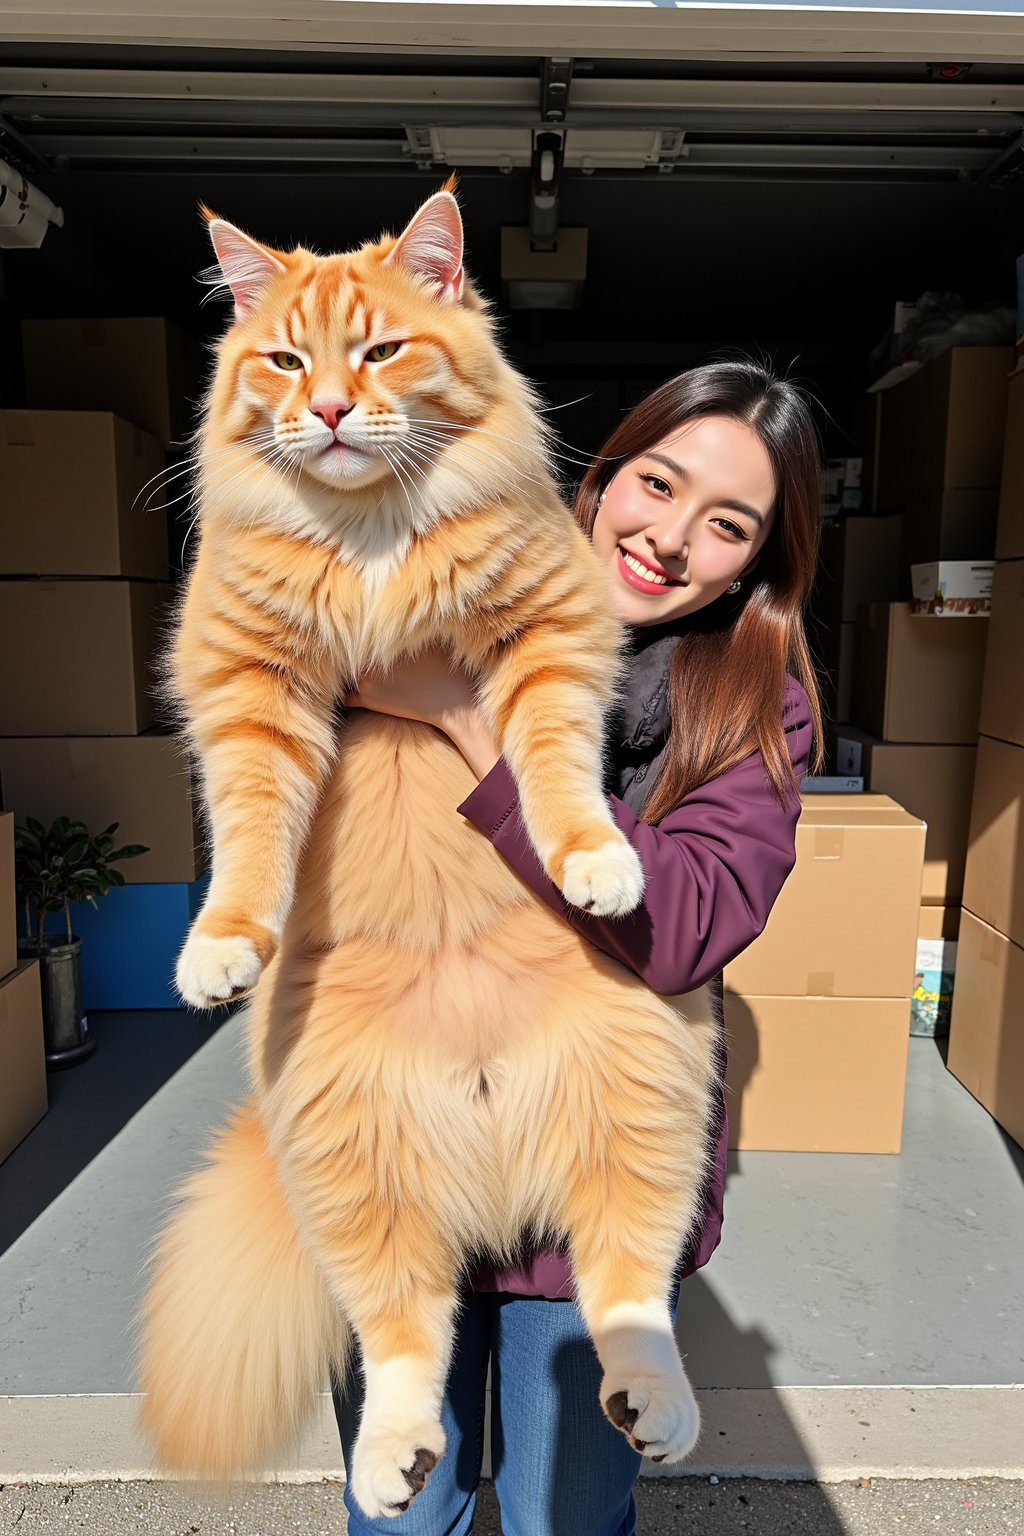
x=439 y=1064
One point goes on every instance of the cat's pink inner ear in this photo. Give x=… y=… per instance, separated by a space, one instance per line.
x=431 y=246
x=248 y=267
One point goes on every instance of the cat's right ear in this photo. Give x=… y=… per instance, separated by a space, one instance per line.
x=245 y=266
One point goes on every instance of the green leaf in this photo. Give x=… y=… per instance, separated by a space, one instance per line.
x=130 y=851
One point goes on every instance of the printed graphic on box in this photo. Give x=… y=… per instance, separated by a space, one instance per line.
x=953 y=588
x=932 y=997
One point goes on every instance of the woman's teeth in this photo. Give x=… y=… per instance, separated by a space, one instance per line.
x=641 y=570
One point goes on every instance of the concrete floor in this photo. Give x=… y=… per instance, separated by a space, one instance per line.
x=864 y=1314
x=686 y=1507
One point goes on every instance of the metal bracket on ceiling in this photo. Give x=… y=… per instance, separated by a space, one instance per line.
x=419 y=146
x=673 y=148
x=556 y=78
x=1006 y=172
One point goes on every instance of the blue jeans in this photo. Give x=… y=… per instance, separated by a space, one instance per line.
x=559 y=1467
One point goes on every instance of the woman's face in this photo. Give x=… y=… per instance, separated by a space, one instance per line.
x=683 y=521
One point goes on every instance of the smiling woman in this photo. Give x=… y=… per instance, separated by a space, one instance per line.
x=688 y=518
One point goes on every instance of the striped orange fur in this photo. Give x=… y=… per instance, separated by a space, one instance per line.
x=439 y=1064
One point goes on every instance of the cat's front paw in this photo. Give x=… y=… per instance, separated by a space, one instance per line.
x=656 y=1411
x=212 y=971
x=607 y=881
x=391 y=1464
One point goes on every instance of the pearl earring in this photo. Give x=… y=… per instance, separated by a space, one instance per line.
x=600 y=499
x=733 y=587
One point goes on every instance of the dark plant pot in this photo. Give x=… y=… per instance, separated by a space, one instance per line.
x=65 y=1027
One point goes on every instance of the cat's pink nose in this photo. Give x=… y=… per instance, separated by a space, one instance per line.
x=330 y=414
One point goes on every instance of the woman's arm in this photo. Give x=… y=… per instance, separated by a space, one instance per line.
x=713 y=867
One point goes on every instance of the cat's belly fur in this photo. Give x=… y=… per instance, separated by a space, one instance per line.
x=430 y=1021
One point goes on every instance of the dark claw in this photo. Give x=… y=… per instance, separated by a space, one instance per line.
x=657 y=1458
x=618 y=1410
x=416 y=1475
x=400 y=1509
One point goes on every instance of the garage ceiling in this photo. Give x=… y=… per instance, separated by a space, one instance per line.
x=781 y=203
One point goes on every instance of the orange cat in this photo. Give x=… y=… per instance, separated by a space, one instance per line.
x=439 y=1064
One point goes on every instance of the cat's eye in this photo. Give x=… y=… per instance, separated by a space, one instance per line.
x=382 y=351
x=286 y=361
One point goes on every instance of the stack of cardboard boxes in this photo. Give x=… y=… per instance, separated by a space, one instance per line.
x=83 y=606
x=986 y=1048
x=816 y=1010
x=914 y=689
x=23 y=1099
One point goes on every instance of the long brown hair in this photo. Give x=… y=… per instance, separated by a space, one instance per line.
x=729 y=669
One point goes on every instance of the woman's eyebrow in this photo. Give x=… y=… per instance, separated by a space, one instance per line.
x=741 y=506
x=733 y=506
x=677 y=469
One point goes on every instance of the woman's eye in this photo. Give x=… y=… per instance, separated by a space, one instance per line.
x=657 y=484
x=382 y=351
x=286 y=361
x=730 y=527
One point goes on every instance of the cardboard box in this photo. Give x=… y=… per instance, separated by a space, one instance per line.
x=940 y=923
x=832 y=648
x=23 y=1101
x=131 y=943
x=839 y=929
x=934 y=783
x=85 y=653
x=1010 y=526
x=958 y=525
x=80 y=496
x=932 y=999
x=816 y=1074
x=859 y=563
x=141 y=782
x=8 y=903
x=1002 y=694
x=146 y=370
x=986 y=1041
x=832 y=784
x=942 y=431
x=994 y=878
x=917 y=679
x=952 y=589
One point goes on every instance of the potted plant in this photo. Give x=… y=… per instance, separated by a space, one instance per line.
x=55 y=866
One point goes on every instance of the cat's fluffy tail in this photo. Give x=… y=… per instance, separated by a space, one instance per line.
x=238 y=1328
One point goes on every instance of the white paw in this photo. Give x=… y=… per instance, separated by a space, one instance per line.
x=656 y=1412
x=212 y=970
x=608 y=882
x=391 y=1464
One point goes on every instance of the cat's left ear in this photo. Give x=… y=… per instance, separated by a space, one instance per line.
x=431 y=246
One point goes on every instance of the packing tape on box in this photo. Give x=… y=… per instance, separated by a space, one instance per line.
x=821 y=984
x=18 y=429
x=828 y=842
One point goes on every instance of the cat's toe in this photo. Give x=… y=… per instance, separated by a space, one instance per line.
x=390 y=1466
x=607 y=881
x=657 y=1413
x=212 y=971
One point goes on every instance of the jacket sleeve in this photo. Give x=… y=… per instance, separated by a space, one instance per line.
x=713 y=867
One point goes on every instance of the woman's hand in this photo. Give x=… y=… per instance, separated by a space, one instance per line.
x=431 y=690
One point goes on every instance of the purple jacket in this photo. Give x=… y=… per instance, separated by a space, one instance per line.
x=713 y=868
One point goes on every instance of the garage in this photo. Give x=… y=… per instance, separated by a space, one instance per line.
x=644 y=186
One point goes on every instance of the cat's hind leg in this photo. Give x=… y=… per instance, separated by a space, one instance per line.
x=631 y=1196
x=395 y=1279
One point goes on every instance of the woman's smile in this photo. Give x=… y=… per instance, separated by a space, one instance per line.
x=644 y=577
